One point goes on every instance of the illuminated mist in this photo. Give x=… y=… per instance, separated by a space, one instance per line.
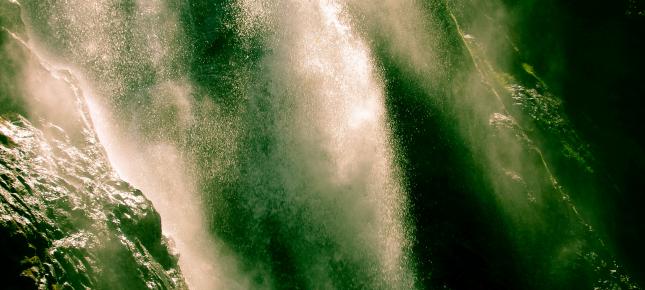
x=395 y=144
x=332 y=153
x=153 y=161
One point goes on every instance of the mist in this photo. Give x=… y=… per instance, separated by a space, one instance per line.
x=502 y=111
x=327 y=144
x=151 y=161
x=157 y=126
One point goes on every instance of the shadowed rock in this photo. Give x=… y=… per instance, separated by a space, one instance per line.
x=68 y=222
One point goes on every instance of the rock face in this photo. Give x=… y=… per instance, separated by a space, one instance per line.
x=68 y=222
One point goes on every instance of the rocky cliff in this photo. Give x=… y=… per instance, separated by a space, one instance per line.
x=68 y=222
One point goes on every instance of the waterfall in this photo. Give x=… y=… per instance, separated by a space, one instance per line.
x=112 y=46
x=335 y=144
x=332 y=153
x=328 y=183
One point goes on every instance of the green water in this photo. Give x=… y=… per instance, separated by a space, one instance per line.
x=360 y=144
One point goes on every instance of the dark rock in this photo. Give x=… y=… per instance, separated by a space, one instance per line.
x=68 y=222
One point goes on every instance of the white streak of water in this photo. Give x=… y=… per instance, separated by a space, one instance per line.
x=336 y=126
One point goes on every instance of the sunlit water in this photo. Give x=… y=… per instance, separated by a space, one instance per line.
x=261 y=132
x=332 y=156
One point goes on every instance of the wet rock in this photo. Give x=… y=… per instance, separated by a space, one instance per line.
x=68 y=222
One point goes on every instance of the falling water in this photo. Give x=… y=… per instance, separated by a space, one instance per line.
x=332 y=153
x=330 y=150
x=114 y=46
x=327 y=144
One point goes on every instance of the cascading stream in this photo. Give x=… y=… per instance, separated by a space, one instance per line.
x=334 y=144
x=330 y=166
x=114 y=45
x=332 y=139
